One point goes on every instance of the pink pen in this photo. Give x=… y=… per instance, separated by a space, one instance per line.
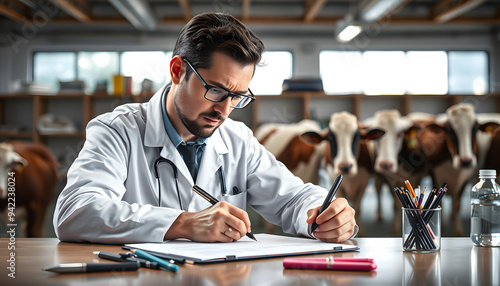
x=328 y=263
x=341 y=259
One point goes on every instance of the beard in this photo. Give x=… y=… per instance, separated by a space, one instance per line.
x=195 y=128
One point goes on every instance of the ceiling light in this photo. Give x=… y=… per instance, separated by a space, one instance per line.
x=349 y=33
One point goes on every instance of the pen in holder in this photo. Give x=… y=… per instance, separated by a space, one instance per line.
x=421 y=229
x=421 y=218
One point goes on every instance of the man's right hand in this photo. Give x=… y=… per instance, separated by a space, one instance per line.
x=221 y=222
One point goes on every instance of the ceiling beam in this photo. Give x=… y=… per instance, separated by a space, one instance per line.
x=10 y=10
x=186 y=9
x=245 y=10
x=447 y=10
x=311 y=9
x=78 y=9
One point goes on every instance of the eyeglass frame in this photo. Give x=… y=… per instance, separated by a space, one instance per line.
x=228 y=93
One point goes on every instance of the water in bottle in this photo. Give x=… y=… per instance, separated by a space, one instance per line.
x=485 y=210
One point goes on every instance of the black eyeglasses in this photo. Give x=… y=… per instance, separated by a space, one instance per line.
x=219 y=94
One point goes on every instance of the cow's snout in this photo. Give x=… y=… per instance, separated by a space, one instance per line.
x=465 y=162
x=345 y=168
x=386 y=165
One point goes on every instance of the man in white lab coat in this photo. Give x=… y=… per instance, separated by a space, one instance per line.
x=133 y=179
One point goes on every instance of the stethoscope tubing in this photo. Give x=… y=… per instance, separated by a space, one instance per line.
x=176 y=176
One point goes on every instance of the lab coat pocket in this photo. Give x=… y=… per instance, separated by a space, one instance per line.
x=238 y=200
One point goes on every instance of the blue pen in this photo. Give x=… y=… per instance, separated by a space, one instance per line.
x=150 y=257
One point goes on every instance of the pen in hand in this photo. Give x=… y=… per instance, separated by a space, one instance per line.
x=328 y=200
x=197 y=189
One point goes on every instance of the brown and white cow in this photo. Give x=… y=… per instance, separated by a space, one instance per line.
x=336 y=149
x=452 y=146
x=493 y=156
x=398 y=154
x=35 y=176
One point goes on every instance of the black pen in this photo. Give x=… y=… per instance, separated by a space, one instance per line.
x=328 y=200
x=93 y=267
x=197 y=189
x=115 y=257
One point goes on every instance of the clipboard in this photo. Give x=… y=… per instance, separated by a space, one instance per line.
x=267 y=246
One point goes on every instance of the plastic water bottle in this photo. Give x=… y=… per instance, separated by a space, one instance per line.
x=485 y=210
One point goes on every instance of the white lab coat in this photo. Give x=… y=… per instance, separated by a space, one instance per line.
x=111 y=194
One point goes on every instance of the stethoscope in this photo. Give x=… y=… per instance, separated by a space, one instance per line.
x=176 y=176
x=174 y=168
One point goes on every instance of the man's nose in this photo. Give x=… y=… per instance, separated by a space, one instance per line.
x=224 y=107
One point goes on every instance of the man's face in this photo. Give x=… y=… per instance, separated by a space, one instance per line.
x=200 y=116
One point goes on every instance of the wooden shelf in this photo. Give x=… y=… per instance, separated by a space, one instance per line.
x=302 y=102
x=16 y=134
x=61 y=134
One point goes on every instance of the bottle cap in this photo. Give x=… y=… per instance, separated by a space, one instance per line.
x=487 y=173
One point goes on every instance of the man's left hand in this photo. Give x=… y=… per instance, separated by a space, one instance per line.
x=336 y=223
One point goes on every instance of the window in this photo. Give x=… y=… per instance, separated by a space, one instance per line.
x=268 y=78
x=344 y=77
x=427 y=72
x=468 y=72
x=383 y=73
x=50 y=68
x=98 y=67
x=399 y=72
x=152 y=65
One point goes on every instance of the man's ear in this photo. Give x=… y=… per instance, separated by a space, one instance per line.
x=176 y=69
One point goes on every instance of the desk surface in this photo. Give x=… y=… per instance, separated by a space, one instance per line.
x=458 y=263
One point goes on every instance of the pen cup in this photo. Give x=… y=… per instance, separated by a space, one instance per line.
x=421 y=230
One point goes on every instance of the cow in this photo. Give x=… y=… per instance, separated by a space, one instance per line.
x=493 y=156
x=337 y=149
x=452 y=146
x=398 y=154
x=31 y=171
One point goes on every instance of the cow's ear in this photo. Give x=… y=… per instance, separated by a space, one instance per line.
x=16 y=159
x=488 y=127
x=312 y=137
x=372 y=134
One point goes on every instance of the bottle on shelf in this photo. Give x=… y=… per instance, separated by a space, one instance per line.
x=485 y=210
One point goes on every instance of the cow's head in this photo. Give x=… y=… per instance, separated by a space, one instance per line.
x=399 y=130
x=9 y=160
x=460 y=128
x=343 y=136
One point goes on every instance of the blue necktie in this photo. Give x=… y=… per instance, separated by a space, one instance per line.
x=189 y=154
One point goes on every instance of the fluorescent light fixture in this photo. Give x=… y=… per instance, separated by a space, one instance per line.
x=139 y=13
x=349 y=33
x=376 y=9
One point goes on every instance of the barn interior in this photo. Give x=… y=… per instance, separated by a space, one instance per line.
x=65 y=62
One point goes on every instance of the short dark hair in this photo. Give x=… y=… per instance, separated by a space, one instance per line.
x=207 y=33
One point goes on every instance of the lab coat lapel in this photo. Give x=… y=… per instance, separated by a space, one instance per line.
x=208 y=173
x=171 y=153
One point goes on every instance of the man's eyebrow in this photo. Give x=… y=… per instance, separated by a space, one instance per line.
x=217 y=84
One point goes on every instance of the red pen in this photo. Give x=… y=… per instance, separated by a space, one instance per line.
x=329 y=264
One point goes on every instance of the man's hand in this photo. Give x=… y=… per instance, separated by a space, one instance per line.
x=336 y=223
x=221 y=222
